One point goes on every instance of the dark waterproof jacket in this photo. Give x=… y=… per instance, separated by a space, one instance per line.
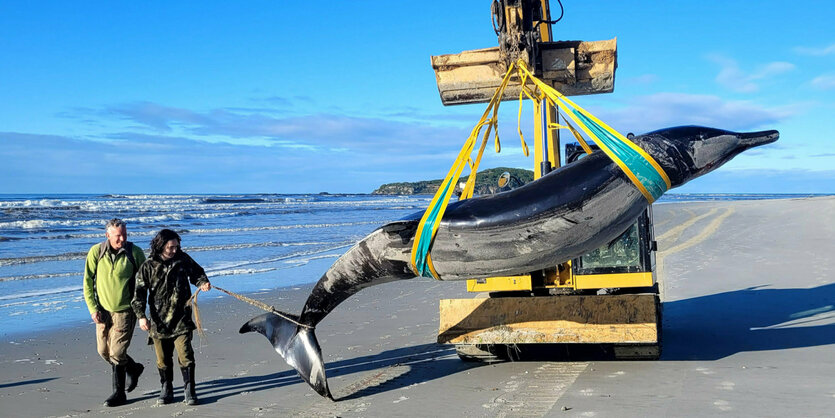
x=166 y=286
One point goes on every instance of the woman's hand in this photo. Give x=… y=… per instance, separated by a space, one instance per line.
x=206 y=287
x=143 y=324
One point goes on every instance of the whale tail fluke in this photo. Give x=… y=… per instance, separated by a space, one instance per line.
x=296 y=344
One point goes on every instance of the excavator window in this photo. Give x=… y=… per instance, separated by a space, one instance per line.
x=628 y=253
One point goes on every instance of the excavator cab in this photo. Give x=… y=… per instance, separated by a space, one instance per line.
x=628 y=261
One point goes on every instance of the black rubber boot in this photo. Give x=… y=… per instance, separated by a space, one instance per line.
x=134 y=370
x=166 y=392
x=188 y=387
x=118 y=397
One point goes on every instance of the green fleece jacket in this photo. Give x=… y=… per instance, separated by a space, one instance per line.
x=109 y=283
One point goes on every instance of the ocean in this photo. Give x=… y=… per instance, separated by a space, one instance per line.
x=245 y=242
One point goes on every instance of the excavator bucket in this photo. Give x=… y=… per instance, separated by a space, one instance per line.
x=572 y=67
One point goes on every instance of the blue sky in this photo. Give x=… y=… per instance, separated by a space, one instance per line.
x=288 y=97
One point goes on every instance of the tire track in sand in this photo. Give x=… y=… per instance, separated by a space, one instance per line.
x=705 y=233
x=536 y=395
x=357 y=397
x=675 y=233
x=354 y=398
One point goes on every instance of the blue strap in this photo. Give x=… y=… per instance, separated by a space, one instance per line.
x=640 y=167
x=425 y=239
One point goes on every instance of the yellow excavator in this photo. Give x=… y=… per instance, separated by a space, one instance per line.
x=607 y=299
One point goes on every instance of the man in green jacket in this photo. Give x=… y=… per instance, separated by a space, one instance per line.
x=108 y=289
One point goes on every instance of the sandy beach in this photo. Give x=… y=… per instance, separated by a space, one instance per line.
x=748 y=290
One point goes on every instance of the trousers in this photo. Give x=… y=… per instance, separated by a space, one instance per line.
x=113 y=336
x=164 y=348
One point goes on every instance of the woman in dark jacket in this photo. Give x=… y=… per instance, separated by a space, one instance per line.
x=163 y=280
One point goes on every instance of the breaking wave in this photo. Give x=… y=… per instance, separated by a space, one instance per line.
x=37 y=276
x=240 y=272
x=267 y=260
x=12 y=261
x=44 y=292
x=232 y=200
x=153 y=219
x=280 y=227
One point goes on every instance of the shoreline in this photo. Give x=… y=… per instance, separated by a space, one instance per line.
x=75 y=312
x=748 y=290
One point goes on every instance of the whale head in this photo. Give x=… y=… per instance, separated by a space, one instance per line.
x=687 y=152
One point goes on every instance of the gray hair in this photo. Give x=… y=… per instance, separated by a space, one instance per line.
x=115 y=223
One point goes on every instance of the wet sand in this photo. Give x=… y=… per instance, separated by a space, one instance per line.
x=748 y=290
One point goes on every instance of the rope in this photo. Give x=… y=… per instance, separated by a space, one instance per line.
x=197 y=322
x=253 y=302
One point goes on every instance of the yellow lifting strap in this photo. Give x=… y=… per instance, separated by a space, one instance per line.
x=421 y=262
x=641 y=169
x=638 y=166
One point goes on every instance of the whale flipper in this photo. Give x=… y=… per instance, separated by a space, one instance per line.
x=296 y=344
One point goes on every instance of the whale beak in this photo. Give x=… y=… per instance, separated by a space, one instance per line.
x=755 y=139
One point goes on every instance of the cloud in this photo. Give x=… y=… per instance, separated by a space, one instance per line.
x=137 y=163
x=272 y=104
x=178 y=151
x=734 y=78
x=415 y=114
x=156 y=116
x=816 y=51
x=280 y=101
x=647 y=113
x=146 y=146
x=316 y=131
x=824 y=82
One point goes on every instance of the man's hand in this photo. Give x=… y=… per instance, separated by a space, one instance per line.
x=206 y=287
x=143 y=324
x=96 y=317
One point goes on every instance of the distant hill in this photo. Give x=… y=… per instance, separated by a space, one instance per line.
x=486 y=182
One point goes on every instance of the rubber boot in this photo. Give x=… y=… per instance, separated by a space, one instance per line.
x=188 y=385
x=166 y=392
x=118 y=397
x=134 y=370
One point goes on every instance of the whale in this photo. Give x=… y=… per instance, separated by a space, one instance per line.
x=560 y=216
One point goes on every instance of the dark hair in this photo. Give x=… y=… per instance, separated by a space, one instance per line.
x=159 y=241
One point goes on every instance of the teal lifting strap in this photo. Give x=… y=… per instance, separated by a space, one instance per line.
x=643 y=170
